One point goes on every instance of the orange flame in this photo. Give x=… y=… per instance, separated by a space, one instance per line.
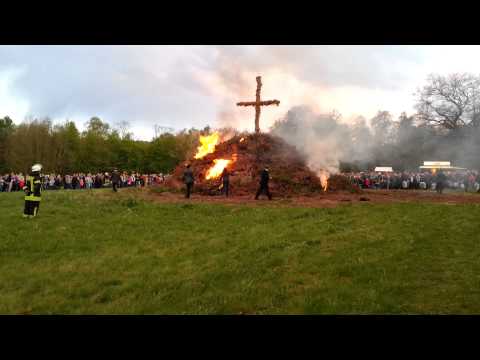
x=216 y=170
x=208 y=144
x=323 y=175
x=242 y=139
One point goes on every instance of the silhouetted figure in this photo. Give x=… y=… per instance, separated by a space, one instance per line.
x=115 y=180
x=226 y=181
x=264 y=179
x=188 y=179
x=441 y=178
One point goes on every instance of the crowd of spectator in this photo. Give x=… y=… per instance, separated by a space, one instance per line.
x=465 y=180
x=11 y=182
x=15 y=182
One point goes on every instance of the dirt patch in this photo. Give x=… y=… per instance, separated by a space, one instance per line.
x=323 y=199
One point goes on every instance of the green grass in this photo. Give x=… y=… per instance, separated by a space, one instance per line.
x=95 y=253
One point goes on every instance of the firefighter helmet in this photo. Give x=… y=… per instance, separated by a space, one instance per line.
x=36 y=168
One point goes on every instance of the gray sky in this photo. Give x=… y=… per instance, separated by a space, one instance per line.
x=185 y=86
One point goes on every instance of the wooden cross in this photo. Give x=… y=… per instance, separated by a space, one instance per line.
x=257 y=103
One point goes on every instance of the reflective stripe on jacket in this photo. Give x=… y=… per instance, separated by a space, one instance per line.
x=31 y=182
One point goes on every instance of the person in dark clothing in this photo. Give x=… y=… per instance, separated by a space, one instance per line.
x=441 y=178
x=264 y=179
x=7 y=182
x=75 y=182
x=225 y=181
x=98 y=182
x=33 y=189
x=115 y=180
x=188 y=179
x=465 y=183
x=58 y=182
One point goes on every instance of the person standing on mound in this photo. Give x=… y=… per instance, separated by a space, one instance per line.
x=226 y=181
x=264 y=179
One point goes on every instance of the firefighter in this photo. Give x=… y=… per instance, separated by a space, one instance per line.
x=33 y=194
x=264 y=179
x=188 y=179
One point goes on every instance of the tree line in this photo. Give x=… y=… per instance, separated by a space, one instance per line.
x=62 y=148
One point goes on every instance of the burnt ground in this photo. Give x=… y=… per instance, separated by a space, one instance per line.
x=329 y=199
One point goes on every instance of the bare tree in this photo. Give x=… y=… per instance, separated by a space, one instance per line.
x=335 y=115
x=159 y=130
x=450 y=102
x=383 y=128
x=123 y=127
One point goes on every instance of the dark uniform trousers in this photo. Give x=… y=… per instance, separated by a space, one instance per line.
x=226 y=187
x=263 y=189
x=31 y=207
x=440 y=187
x=189 y=190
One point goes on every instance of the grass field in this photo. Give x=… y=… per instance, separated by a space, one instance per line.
x=96 y=253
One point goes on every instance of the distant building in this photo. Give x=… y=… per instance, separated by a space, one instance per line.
x=435 y=165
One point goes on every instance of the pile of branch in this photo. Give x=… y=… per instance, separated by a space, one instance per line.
x=250 y=154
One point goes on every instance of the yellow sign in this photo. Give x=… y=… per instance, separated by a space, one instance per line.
x=436 y=163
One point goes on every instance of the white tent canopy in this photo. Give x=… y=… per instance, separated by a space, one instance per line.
x=383 y=169
x=445 y=165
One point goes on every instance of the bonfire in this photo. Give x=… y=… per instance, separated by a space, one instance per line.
x=244 y=156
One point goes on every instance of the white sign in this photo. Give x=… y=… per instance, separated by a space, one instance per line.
x=384 y=169
x=436 y=163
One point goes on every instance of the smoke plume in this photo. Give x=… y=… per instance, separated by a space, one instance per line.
x=321 y=138
x=328 y=143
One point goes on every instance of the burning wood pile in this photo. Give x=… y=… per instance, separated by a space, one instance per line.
x=245 y=156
